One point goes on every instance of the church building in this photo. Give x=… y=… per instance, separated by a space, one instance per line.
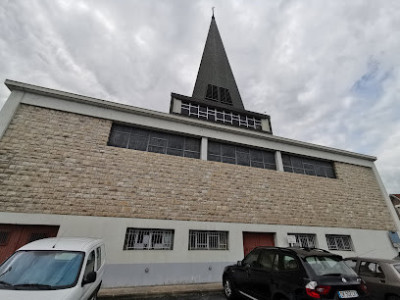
x=178 y=196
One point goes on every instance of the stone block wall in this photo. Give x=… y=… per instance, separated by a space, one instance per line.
x=59 y=163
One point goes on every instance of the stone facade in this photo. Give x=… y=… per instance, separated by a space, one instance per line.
x=59 y=163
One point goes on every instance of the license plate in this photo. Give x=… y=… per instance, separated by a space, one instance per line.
x=348 y=294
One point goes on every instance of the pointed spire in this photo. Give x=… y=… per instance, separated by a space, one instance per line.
x=215 y=74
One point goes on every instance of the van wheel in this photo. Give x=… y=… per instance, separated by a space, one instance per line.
x=229 y=289
x=94 y=297
x=393 y=297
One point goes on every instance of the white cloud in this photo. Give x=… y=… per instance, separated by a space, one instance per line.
x=326 y=71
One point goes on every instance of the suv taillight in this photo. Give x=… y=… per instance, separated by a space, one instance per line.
x=363 y=286
x=316 y=291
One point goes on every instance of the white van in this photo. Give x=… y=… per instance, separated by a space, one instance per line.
x=54 y=268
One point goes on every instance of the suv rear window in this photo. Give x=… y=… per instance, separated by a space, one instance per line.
x=328 y=265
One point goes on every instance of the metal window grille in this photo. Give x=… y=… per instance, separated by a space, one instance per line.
x=216 y=115
x=339 y=242
x=308 y=166
x=208 y=240
x=4 y=237
x=148 y=239
x=304 y=240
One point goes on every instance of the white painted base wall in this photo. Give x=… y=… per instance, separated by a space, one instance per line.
x=180 y=265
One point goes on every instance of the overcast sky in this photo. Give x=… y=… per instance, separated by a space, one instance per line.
x=327 y=72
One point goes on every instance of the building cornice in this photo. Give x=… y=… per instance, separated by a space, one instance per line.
x=38 y=90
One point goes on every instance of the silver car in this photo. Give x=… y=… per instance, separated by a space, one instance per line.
x=381 y=275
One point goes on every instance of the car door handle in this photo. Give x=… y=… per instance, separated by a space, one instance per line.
x=247 y=269
x=382 y=281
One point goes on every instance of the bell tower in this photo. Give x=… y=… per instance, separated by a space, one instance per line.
x=216 y=97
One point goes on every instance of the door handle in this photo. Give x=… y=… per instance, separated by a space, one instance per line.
x=382 y=281
x=247 y=269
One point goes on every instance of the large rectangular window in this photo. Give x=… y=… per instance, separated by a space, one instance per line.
x=153 y=141
x=208 y=240
x=339 y=242
x=309 y=166
x=148 y=239
x=239 y=155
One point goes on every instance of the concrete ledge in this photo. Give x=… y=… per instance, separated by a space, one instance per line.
x=143 y=292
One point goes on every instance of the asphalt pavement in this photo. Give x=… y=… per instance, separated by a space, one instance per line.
x=196 y=296
x=191 y=296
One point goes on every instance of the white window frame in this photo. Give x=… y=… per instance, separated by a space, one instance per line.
x=214 y=112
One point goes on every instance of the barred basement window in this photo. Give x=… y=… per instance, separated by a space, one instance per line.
x=239 y=155
x=339 y=242
x=220 y=94
x=220 y=116
x=148 y=239
x=154 y=141
x=304 y=240
x=304 y=165
x=208 y=240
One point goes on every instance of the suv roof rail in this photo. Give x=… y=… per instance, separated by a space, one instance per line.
x=312 y=249
x=293 y=249
x=286 y=249
x=289 y=249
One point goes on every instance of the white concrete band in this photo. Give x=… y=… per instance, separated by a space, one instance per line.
x=278 y=161
x=204 y=148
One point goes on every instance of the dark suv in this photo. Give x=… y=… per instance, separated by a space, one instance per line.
x=292 y=273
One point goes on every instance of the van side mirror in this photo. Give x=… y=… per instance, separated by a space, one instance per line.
x=89 y=278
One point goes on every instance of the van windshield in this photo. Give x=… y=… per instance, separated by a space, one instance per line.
x=329 y=265
x=41 y=270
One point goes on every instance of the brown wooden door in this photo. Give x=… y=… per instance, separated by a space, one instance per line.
x=13 y=237
x=255 y=239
